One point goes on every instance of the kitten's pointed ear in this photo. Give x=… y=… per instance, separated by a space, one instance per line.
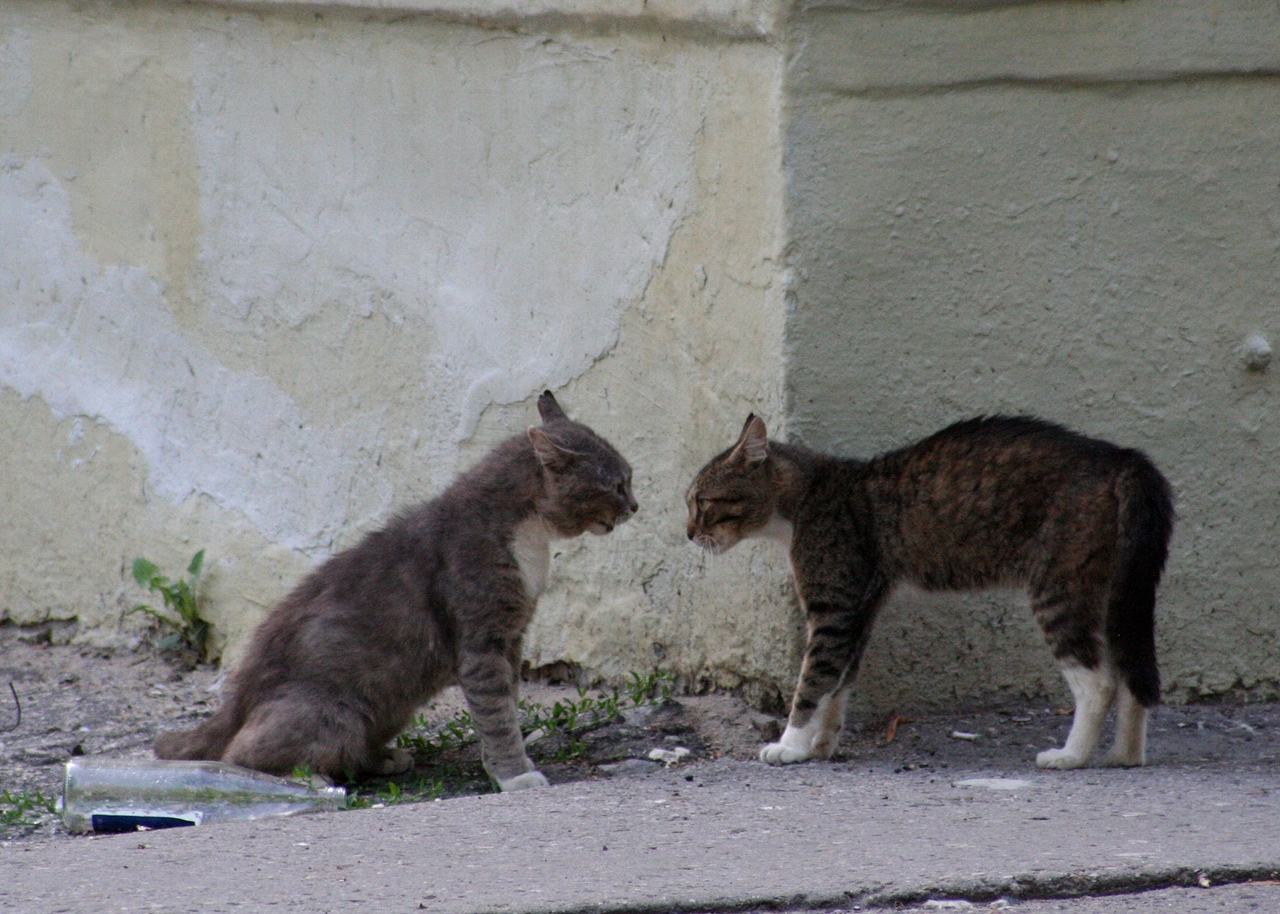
x=753 y=443
x=549 y=453
x=548 y=408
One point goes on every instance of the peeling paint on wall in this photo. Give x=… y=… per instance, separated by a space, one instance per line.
x=100 y=342
x=335 y=177
x=518 y=206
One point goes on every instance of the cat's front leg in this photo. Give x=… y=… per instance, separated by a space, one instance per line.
x=487 y=684
x=815 y=738
x=837 y=635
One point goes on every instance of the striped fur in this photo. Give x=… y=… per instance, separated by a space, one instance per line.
x=440 y=595
x=1082 y=524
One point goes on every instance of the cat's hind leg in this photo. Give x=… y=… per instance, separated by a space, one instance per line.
x=1130 y=747
x=294 y=732
x=1094 y=690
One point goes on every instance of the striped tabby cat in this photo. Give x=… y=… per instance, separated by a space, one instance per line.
x=441 y=595
x=1083 y=525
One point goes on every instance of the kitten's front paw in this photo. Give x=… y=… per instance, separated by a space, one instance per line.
x=523 y=781
x=1059 y=759
x=782 y=754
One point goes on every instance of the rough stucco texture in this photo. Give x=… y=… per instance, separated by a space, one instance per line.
x=269 y=276
x=1026 y=212
x=269 y=271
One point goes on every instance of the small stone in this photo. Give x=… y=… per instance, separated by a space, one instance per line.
x=669 y=757
x=630 y=768
x=769 y=728
x=1256 y=353
x=638 y=717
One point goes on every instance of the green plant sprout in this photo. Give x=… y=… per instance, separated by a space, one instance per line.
x=567 y=716
x=393 y=794
x=25 y=808
x=181 y=598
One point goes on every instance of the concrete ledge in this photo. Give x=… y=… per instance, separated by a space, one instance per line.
x=859 y=49
x=740 y=19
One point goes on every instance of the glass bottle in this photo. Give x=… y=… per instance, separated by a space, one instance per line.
x=121 y=795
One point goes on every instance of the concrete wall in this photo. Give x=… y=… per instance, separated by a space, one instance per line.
x=269 y=273
x=270 y=270
x=1067 y=209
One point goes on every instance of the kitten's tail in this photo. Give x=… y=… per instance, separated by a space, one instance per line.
x=207 y=741
x=1145 y=524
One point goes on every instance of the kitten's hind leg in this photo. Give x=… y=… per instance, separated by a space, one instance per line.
x=1130 y=747
x=1094 y=691
x=303 y=731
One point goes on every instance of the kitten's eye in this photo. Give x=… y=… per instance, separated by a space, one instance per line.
x=622 y=488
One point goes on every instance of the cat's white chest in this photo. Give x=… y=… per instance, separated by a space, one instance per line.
x=779 y=530
x=532 y=548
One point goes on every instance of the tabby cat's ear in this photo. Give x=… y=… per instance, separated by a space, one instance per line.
x=549 y=453
x=753 y=443
x=548 y=408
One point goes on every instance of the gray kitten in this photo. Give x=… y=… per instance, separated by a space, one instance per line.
x=1083 y=525
x=441 y=595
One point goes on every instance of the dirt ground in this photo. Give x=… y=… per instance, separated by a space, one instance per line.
x=80 y=701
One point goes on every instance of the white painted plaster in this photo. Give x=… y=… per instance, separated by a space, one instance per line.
x=517 y=210
x=99 y=341
x=15 y=71
x=518 y=199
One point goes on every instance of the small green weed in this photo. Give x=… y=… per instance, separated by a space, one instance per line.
x=393 y=794
x=181 y=598
x=425 y=739
x=651 y=689
x=566 y=716
x=25 y=808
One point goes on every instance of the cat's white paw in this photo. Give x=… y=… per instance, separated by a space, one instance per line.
x=781 y=754
x=524 y=781
x=1059 y=759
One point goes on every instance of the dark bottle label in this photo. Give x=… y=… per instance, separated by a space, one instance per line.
x=118 y=823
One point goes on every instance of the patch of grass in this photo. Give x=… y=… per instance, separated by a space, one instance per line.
x=26 y=808
x=564 y=721
x=181 y=602
x=394 y=794
x=429 y=739
x=565 y=716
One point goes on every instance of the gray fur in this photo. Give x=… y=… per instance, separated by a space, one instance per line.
x=438 y=596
